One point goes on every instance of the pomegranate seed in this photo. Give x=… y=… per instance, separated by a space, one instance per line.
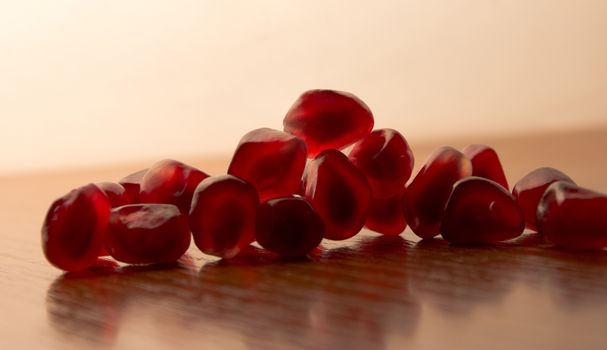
x=132 y=185
x=147 y=234
x=427 y=194
x=270 y=160
x=170 y=182
x=339 y=192
x=74 y=229
x=115 y=193
x=289 y=226
x=481 y=211
x=486 y=163
x=327 y=119
x=385 y=157
x=222 y=216
x=386 y=215
x=529 y=190
x=573 y=217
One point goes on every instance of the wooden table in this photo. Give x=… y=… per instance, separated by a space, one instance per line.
x=370 y=292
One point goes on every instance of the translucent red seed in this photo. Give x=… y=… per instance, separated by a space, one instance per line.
x=116 y=194
x=386 y=159
x=271 y=160
x=427 y=194
x=529 y=190
x=222 y=216
x=74 y=228
x=147 y=234
x=171 y=182
x=486 y=163
x=327 y=119
x=481 y=211
x=132 y=185
x=386 y=215
x=573 y=217
x=339 y=192
x=289 y=227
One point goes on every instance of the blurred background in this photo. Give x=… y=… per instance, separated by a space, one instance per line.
x=86 y=83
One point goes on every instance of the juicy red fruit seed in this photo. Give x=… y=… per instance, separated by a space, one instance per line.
x=481 y=211
x=271 y=160
x=486 y=163
x=116 y=194
x=289 y=227
x=339 y=192
x=328 y=119
x=147 y=234
x=573 y=217
x=384 y=156
x=529 y=190
x=74 y=229
x=429 y=191
x=386 y=215
x=170 y=182
x=222 y=216
x=132 y=185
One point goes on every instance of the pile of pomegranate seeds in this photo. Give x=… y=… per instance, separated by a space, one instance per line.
x=289 y=189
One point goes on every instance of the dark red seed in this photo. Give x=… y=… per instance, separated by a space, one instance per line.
x=289 y=226
x=573 y=217
x=115 y=193
x=384 y=156
x=147 y=234
x=132 y=185
x=486 y=163
x=386 y=215
x=427 y=194
x=74 y=229
x=222 y=216
x=327 y=119
x=339 y=192
x=171 y=182
x=481 y=211
x=529 y=190
x=271 y=160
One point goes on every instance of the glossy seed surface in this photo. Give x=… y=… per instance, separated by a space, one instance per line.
x=147 y=234
x=271 y=160
x=529 y=190
x=427 y=194
x=481 y=211
x=328 y=119
x=573 y=217
x=386 y=159
x=223 y=215
x=73 y=232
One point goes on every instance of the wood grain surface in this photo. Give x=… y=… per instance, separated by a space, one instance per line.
x=369 y=292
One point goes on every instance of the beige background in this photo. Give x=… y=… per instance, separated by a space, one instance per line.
x=85 y=82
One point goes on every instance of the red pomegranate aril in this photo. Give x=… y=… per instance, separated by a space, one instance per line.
x=74 y=229
x=573 y=217
x=486 y=163
x=384 y=156
x=271 y=160
x=481 y=211
x=171 y=182
x=328 y=119
x=427 y=194
x=116 y=194
x=529 y=190
x=222 y=216
x=339 y=192
x=289 y=227
x=132 y=185
x=147 y=234
x=386 y=215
